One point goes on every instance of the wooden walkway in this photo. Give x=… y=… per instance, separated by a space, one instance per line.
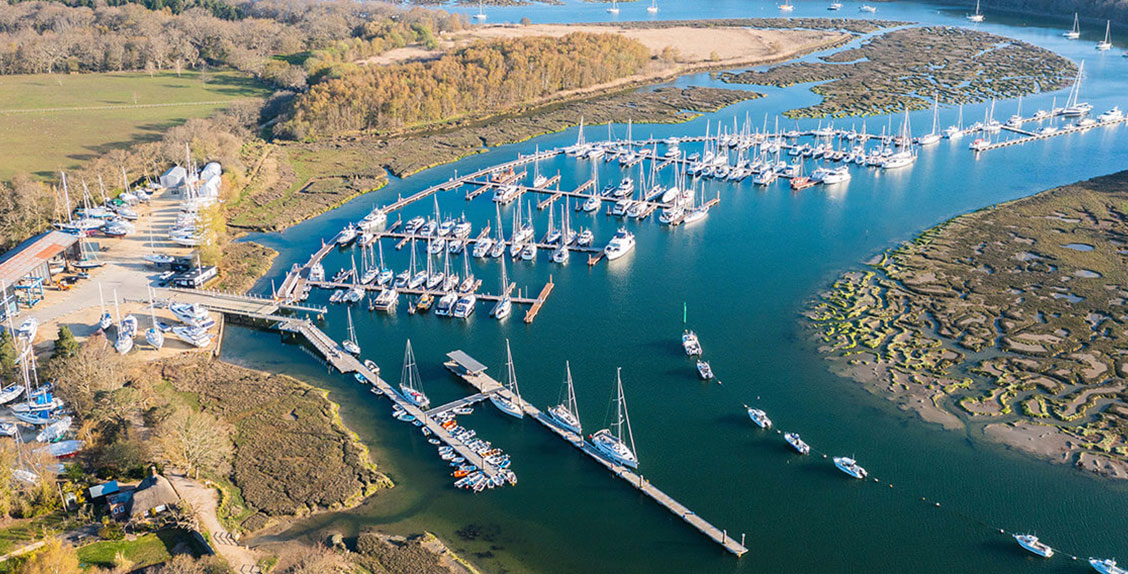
x=531 y=314
x=1032 y=136
x=485 y=384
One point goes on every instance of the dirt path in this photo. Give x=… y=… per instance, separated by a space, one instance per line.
x=205 y=500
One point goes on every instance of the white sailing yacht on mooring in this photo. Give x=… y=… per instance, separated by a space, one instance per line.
x=610 y=442
x=566 y=414
x=410 y=386
x=1106 y=44
x=510 y=404
x=1074 y=32
x=977 y=17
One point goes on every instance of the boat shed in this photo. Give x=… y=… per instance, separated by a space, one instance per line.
x=465 y=364
x=28 y=267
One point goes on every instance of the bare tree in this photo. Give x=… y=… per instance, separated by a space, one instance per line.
x=194 y=441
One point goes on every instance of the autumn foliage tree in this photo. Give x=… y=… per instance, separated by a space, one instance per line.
x=194 y=441
x=484 y=78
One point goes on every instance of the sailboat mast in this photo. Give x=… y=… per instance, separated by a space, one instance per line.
x=511 y=384
x=572 y=406
x=623 y=416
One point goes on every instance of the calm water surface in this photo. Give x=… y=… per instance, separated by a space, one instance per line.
x=746 y=274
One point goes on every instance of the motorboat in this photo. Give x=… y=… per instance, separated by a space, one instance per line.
x=690 y=343
x=347 y=235
x=385 y=300
x=704 y=370
x=194 y=336
x=850 y=467
x=759 y=417
x=1113 y=115
x=482 y=247
x=797 y=443
x=190 y=313
x=1106 y=566
x=465 y=306
x=27 y=329
x=55 y=430
x=1033 y=545
x=446 y=304
x=621 y=244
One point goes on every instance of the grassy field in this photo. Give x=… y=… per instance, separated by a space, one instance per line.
x=146 y=550
x=50 y=122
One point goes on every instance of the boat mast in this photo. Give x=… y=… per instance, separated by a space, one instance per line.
x=511 y=383
x=410 y=376
x=572 y=407
x=623 y=417
x=352 y=331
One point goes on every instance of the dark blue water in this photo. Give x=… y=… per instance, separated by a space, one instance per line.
x=745 y=273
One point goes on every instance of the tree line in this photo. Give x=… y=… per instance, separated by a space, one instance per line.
x=482 y=78
x=259 y=37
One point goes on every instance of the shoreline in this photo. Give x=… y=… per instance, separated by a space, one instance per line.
x=1013 y=359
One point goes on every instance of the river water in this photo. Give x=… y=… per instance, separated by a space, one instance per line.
x=746 y=274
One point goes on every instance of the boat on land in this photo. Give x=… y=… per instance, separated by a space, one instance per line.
x=616 y=443
x=11 y=393
x=850 y=467
x=511 y=404
x=411 y=388
x=797 y=443
x=1033 y=545
x=566 y=414
x=759 y=417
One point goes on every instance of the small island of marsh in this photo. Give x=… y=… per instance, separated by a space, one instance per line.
x=908 y=69
x=1011 y=318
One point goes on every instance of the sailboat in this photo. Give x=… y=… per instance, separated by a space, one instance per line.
x=509 y=404
x=1107 y=43
x=153 y=334
x=653 y=8
x=566 y=414
x=410 y=386
x=614 y=9
x=612 y=443
x=955 y=131
x=126 y=329
x=1074 y=107
x=350 y=345
x=105 y=319
x=480 y=16
x=786 y=6
x=504 y=305
x=932 y=137
x=977 y=17
x=1074 y=32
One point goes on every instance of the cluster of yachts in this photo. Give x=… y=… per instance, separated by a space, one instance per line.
x=113 y=218
x=1032 y=544
x=39 y=407
x=194 y=328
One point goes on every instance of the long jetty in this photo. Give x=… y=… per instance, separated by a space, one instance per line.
x=485 y=384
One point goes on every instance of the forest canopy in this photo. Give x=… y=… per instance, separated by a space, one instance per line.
x=479 y=79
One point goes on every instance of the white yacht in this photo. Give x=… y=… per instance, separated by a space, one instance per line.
x=347 y=235
x=1074 y=32
x=1113 y=115
x=690 y=343
x=653 y=8
x=465 y=306
x=786 y=6
x=374 y=219
x=592 y=204
x=850 y=467
x=620 y=245
x=27 y=329
x=1106 y=44
x=561 y=255
x=195 y=336
x=614 y=9
x=317 y=273
x=977 y=17
x=566 y=414
x=126 y=330
x=867 y=8
x=797 y=443
x=190 y=313
x=350 y=345
x=612 y=443
x=385 y=300
x=410 y=386
x=704 y=370
x=509 y=400
x=759 y=417
x=446 y=303
x=1106 y=566
x=1035 y=546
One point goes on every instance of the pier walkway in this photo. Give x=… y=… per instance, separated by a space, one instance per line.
x=486 y=384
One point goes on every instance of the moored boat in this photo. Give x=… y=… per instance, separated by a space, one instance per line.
x=850 y=467
x=1033 y=545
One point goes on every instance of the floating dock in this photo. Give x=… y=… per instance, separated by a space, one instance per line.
x=487 y=385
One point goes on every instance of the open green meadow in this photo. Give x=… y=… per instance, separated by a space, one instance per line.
x=50 y=122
